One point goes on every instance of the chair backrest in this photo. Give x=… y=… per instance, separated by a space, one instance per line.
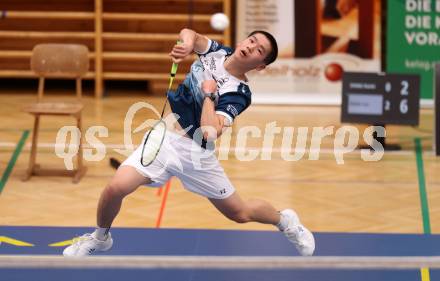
x=60 y=60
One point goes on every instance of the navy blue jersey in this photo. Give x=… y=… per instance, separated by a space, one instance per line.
x=233 y=94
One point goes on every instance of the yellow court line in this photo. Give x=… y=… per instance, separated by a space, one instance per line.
x=15 y=242
x=425 y=274
x=61 y=244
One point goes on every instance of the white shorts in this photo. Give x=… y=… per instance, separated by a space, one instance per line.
x=198 y=169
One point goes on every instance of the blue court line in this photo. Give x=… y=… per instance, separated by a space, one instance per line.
x=13 y=159
x=166 y=241
x=88 y=274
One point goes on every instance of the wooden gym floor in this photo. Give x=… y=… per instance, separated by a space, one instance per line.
x=358 y=196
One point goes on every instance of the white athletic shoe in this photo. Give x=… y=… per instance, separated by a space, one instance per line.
x=86 y=245
x=300 y=236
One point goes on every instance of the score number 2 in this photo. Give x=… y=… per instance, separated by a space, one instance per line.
x=404 y=102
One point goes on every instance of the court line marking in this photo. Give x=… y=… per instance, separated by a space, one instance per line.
x=162 y=206
x=11 y=163
x=424 y=272
x=221 y=262
x=406 y=184
x=422 y=187
x=234 y=149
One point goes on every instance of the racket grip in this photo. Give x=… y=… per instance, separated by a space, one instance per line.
x=175 y=65
x=174 y=69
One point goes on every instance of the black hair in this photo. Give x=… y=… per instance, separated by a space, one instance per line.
x=273 y=54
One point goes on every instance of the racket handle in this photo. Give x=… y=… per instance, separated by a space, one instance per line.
x=173 y=69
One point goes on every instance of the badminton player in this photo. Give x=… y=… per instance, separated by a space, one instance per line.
x=213 y=94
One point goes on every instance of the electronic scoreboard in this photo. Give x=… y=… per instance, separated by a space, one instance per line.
x=378 y=98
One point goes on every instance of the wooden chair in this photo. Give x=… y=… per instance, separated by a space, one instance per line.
x=57 y=61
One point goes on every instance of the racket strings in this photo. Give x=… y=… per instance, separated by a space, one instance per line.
x=155 y=137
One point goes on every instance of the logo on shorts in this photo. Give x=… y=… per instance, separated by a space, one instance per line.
x=223 y=191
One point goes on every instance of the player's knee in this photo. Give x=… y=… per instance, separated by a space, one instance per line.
x=115 y=189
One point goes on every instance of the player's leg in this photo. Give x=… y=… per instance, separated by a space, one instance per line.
x=287 y=221
x=201 y=173
x=129 y=176
x=241 y=211
x=126 y=180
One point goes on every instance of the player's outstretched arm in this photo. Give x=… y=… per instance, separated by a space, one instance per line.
x=189 y=41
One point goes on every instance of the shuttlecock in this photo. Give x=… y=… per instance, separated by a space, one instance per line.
x=219 y=21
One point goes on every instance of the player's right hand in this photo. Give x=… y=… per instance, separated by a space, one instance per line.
x=180 y=51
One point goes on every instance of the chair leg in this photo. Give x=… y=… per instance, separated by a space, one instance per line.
x=81 y=169
x=33 y=155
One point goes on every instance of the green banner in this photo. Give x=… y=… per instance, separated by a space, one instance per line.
x=413 y=39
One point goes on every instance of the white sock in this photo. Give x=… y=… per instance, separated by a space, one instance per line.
x=101 y=233
x=284 y=222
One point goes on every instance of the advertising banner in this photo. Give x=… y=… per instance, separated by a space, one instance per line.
x=413 y=39
x=318 y=40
